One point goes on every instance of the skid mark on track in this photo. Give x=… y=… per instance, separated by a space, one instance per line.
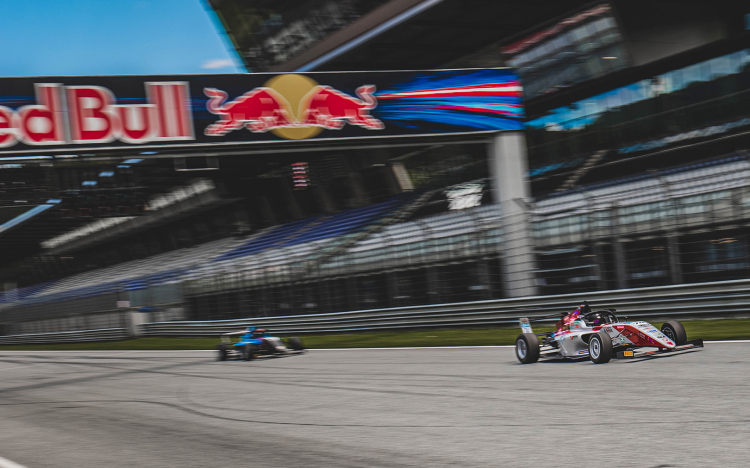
x=394 y=426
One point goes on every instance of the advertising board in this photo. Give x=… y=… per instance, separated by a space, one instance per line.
x=119 y=111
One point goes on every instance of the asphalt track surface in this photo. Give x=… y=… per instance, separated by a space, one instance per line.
x=373 y=408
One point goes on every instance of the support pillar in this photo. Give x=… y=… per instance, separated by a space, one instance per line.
x=601 y=281
x=510 y=188
x=351 y=293
x=621 y=272
x=483 y=283
x=392 y=289
x=433 y=285
x=620 y=264
x=673 y=251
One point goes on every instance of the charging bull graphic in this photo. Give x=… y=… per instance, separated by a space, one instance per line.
x=259 y=110
x=331 y=109
x=263 y=109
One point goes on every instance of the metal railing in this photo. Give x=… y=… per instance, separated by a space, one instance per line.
x=712 y=300
x=106 y=334
x=726 y=299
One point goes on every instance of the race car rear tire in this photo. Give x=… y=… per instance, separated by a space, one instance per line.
x=248 y=352
x=527 y=348
x=295 y=343
x=600 y=348
x=222 y=356
x=675 y=332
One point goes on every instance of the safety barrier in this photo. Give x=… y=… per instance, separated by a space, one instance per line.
x=106 y=334
x=728 y=299
x=709 y=300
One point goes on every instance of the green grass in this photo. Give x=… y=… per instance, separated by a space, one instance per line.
x=706 y=329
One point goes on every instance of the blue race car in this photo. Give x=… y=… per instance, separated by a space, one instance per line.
x=255 y=342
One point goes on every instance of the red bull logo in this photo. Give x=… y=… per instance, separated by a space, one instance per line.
x=259 y=110
x=89 y=114
x=331 y=109
x=292 y=106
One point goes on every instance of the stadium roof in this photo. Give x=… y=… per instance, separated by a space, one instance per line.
x=424 y=34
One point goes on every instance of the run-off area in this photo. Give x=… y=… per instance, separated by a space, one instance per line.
x=372 y=408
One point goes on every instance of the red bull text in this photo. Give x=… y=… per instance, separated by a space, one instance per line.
x=88 y=114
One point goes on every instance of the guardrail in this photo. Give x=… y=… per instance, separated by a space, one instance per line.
x=106 y=334
x=708 y=300
x=704 y=300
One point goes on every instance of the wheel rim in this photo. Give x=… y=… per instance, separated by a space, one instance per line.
x=595 y=348
x=670 y=333
x=521 y=348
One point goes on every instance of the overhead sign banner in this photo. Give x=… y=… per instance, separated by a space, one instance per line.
x=120 y=111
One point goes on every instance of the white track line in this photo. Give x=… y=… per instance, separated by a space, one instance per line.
x=5 y=463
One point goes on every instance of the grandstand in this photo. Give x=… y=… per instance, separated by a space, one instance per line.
x=638 y=175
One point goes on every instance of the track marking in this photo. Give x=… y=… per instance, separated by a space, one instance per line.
x=5 y=463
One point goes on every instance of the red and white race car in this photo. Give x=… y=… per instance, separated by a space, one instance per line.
x=600 y=336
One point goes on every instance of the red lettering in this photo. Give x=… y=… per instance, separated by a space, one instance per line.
x=172 y=108
x=8 y=127
x=42 y=124
x=138 y=122
x=92 y=119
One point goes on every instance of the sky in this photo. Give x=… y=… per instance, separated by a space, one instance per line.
x=112 y=37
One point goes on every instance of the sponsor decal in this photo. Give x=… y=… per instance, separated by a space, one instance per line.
x=525 y=325
x=583 y=351
x=64 y=112
x=90 y=116
x=295 y=106
x=628 y=353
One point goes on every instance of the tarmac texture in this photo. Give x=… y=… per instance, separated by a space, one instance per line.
x=461 y=407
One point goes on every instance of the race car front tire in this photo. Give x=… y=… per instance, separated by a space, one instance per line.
x=675 y=332
x=527 y=348
x=295 y=343
x=600 y=348
x=222 y=356
x=248 y=352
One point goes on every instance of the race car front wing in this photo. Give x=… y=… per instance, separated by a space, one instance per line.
x=635 y=354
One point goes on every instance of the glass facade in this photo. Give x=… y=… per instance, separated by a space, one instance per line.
x=700 y=100
x=268 y=33
x=578 y=48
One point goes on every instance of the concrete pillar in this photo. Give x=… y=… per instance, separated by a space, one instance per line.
x=324 y=296
x=351 y=293
x=134 y=321
x=433 y=285
x=673 y=251
x=392 y=289
x=510 y=188
x=596 y=249
x=621 y=262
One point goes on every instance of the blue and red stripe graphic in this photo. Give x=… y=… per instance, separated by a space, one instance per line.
x=455 y=100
